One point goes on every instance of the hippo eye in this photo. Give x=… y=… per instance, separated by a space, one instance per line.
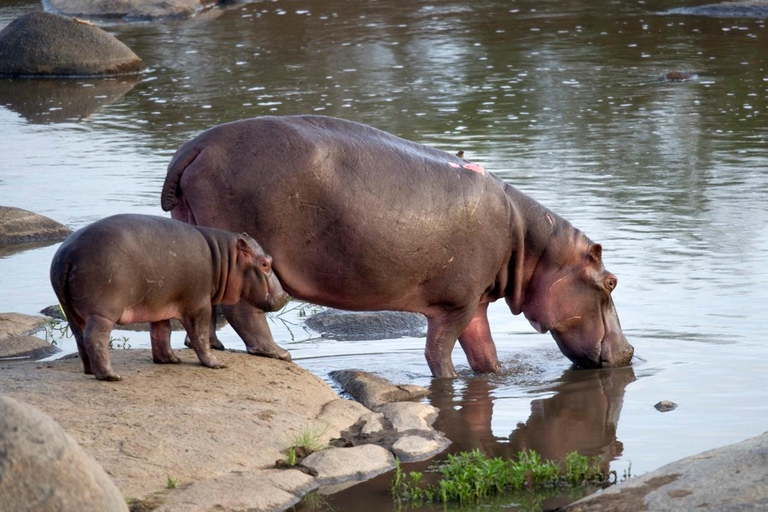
x=611 y=283
x=265 y=265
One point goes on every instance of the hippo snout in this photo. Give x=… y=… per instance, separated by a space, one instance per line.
x=277 y=300
x=615 y=353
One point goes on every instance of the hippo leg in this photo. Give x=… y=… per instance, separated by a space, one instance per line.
x=214 y=340
x=160 y=334
x=96 y=340
x=477 y=343
x=74 y=323
x=250 y=324
x=442 y=331
x=198 y=330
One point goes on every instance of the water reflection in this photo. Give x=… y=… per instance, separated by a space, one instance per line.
x=44 y=100
x=582 y=415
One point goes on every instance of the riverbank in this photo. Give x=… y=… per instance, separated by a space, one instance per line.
x=188 y=436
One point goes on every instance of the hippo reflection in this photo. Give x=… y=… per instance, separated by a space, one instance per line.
x=581 y=416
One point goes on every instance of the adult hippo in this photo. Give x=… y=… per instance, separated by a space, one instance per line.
x=359 y=219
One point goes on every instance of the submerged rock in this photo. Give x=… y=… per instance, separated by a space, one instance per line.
x=15 y=339
x=19 y=226
x=45 y=44
x=367 y=325
x=734 y=477
x=373 y=391
x=665 y=406
x=742 y=9
x=43 y=469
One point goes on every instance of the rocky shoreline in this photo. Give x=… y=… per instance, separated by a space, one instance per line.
x=216 y=434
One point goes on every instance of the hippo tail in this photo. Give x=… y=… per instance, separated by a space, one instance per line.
x=171 y=195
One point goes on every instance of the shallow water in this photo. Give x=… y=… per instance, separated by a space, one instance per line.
x=565 y=100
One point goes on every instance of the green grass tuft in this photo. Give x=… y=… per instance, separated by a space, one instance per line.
x=469 y=477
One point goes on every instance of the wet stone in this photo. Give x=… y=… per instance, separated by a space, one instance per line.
x=412 y=448
x=18 y=226
x=15 y=339
x=665 y=406
x=373 y=391
x=405 y=416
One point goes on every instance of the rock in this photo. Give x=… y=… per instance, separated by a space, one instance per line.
x=665 y=406
x=184 y=421
x=129 y=10
x=259 y=490
x=412 y=448
x=19 y=226
x=734 y=477
x=367 y=325
x=405 y=416
x=15 y=339
x=339 y=415
x=679 y=76
x=373 y=391
x=742 y=9
x=372 y=423
x=52 y=100
x=45 y=44
x=43 y=469
x=336 y=465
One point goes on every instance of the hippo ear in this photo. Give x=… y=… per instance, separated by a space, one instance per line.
x=596 y=253
x=243 y=245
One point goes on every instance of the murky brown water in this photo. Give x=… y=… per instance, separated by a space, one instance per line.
x=563 y=99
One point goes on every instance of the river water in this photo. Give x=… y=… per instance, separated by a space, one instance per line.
x=564 y=99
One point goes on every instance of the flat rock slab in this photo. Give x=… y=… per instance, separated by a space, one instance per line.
x=45 y=44
x=15 y=341
x=406 y=416
x=277 y=490
x=743 y=9
x=373 y=391
x=19 y=226
x=129 y=10
x=412 y=448
x=44 y=470
x=367 y=325
x=337 y=465
x=185 y=421
x=733 y=477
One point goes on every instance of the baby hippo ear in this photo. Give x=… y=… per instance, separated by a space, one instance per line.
x=596 y=253
x=243 y=245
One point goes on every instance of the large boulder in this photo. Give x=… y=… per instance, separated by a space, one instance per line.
x=733 y=477
x=367 y=325
x=19 y=226
x=741 y=9
x=129 y=10
x=45 y=44
x=15 y=339
x=42 y=469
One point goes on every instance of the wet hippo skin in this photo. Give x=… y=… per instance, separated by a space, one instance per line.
x=359 y=219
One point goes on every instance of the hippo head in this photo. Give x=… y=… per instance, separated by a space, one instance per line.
x=569 y=294
x=260 y=286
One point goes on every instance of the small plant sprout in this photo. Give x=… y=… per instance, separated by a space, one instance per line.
x=310 y=438
x=170 y=482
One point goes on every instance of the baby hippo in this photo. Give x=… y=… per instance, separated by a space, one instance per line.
x=139 y=268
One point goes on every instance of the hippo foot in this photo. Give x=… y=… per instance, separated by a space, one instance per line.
x=213 y=363
x=217 y=345
x=277 y=353
x=173 y=359
x=109 y=377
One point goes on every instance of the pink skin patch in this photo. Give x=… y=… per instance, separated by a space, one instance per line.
x=470 y=167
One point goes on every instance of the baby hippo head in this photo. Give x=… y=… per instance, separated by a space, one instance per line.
x=254 y=277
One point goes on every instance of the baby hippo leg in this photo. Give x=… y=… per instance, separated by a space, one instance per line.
x=160 y=334
x=96 y=341
x=198 y=330
x=214 y=340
